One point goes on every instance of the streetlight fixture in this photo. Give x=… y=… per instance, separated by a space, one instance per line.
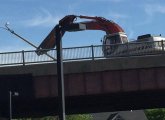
x=25 y=40
x=11 y=94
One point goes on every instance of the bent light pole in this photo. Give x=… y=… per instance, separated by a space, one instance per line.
x=60 y=75
x=53 y=39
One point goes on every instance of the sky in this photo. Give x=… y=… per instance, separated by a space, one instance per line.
x=34 y=19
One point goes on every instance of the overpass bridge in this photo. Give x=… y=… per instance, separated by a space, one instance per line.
x=92 y=83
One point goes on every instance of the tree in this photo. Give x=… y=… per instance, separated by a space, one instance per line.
x=155 y=114
x=79 y=117
x=68 y=117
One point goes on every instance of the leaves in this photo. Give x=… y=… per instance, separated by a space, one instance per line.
x=68 y=117
x=79 y=117
x=155 y=114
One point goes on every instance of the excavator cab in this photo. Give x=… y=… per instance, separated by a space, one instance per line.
x=112 y=41
x=115 y=38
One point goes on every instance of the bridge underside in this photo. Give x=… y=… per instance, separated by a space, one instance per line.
x=99 y=91
x=91 y=104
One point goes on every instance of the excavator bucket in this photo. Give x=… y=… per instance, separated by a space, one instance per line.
x=48 y=43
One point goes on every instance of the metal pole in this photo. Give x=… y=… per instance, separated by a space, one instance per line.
x=23 y=58
x=127 y=49
x=93 y=56
x=60 y=75
x=29 y=43
x=12 y=31
x=162 y=42
x=10 y=105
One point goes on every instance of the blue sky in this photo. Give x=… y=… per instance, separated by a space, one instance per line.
x=34 y=19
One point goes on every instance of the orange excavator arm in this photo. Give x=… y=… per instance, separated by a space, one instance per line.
x=68 y=24
x=100 y=23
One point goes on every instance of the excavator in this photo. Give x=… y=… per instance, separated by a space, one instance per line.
x=114 y=33
x=115 y=42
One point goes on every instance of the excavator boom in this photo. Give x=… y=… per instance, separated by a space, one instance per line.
x=100 y=23
x=68 y=24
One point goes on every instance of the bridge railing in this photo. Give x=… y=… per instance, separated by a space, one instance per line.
x=84 y=53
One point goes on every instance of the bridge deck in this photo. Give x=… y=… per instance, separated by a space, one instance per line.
x=90 y=86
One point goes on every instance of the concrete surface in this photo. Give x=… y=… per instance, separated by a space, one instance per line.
x=88 y=66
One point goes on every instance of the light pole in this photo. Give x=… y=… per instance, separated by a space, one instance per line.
x=10 y=105
x=60 y=74
x=11 y=94
x=25 y=40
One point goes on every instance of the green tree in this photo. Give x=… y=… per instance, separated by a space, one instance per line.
x=155 y=114
x=68 y=117
x=79 y=117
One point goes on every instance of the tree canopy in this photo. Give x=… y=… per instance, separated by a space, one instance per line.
x=155 y=114
x=68 y=117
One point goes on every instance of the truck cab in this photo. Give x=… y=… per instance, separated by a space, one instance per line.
x=150 y=38
x=115 y=38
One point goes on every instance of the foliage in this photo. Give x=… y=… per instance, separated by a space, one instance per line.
x=79 y=117
x=68 y=117
x=155 y=114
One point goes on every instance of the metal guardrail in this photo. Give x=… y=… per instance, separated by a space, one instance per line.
x=84 y=53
